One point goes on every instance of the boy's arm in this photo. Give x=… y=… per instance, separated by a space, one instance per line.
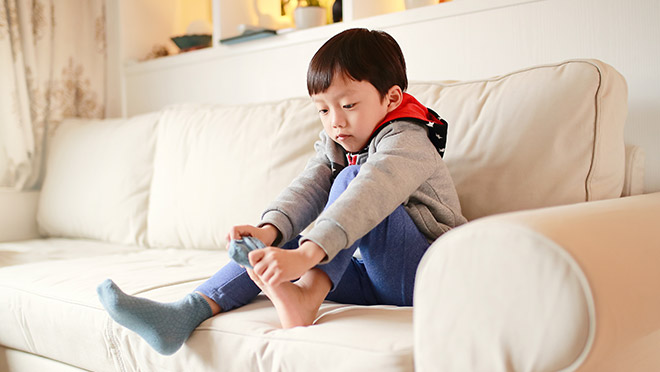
x=401 y=164
x=405 y=158
x=304 y=199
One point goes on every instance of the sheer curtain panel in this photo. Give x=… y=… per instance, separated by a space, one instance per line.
x=53 y=64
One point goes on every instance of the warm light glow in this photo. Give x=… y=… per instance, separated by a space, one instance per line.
x=188 y=11
x=290 y=5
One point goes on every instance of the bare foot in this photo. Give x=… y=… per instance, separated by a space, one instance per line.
x=297 y=303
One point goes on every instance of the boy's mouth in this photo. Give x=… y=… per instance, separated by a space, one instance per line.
x=342 y=137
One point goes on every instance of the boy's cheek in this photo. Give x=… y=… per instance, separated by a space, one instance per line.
x=328 y=131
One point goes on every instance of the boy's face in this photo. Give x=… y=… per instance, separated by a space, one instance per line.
x=350 y=111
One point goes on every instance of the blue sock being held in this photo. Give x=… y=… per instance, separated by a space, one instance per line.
x=165 y=326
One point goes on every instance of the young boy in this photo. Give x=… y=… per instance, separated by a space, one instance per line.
x=377 y=183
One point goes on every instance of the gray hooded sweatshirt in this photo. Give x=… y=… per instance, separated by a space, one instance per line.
x=401 y=167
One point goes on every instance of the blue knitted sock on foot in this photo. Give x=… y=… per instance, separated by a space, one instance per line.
x=165 y=326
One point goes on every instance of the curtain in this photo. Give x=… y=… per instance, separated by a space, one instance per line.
x=53 y=66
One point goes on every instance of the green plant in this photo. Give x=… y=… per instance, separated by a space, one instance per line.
x=304 y=3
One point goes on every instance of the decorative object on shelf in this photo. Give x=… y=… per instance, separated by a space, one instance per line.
x=187 y=43
x=198 y=35
x=283 y=6
x=419 y=3
x=309 y=13
x=337 y=11
x=270 y=14
x=251 y=33
x=157 y=51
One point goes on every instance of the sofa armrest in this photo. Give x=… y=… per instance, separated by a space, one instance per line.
x=18 y=215
x=563 y=288
x=633 y=183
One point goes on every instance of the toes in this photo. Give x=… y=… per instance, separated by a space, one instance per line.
x=255 y=278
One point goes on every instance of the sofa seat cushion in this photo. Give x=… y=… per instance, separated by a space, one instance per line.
x=50 y=308
x=37 y=250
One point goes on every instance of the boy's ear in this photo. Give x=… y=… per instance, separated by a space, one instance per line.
x=394 y=98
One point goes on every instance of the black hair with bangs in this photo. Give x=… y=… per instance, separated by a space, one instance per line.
x=361 y=55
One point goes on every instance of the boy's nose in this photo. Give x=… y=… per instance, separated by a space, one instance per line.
x=338 y=120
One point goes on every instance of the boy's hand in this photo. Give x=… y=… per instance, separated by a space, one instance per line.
x=267 y=233
x=274 y=265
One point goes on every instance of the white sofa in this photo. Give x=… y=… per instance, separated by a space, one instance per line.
x=545 y=277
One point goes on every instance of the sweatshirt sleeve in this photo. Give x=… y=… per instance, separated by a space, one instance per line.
x=301 y=202
x=404 y=158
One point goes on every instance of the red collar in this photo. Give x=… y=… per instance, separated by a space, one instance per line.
x=410 y=108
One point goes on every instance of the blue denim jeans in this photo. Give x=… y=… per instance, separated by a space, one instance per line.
x=385 y=275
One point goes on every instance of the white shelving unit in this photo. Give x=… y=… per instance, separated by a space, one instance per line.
x=250 y=70
x=457 y=40
x=229 y=14
x=369 y=17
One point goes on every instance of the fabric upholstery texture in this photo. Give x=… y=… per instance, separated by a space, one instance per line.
x=147 y=201
x=80 y=332
x=218 y=166
x=634 y=183
x=538 y=137
x=532 y=291
x=97 y=180
x=574 y=256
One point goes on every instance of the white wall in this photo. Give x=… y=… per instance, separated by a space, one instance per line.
x=453 y=41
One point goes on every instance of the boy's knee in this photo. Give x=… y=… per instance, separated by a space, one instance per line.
x=347 y=174
x=341 y=182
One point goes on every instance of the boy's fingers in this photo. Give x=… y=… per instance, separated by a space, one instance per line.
x=237 y=232
x=255 y=256
x=233 y=234
x=273 y=280
x=271 y=276
x=258 y=262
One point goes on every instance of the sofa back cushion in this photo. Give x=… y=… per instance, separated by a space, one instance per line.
x=219 y=166
x=98 y=174
x=543 y=136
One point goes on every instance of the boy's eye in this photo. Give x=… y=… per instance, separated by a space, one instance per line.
x=349 y=106
x=323 y=111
